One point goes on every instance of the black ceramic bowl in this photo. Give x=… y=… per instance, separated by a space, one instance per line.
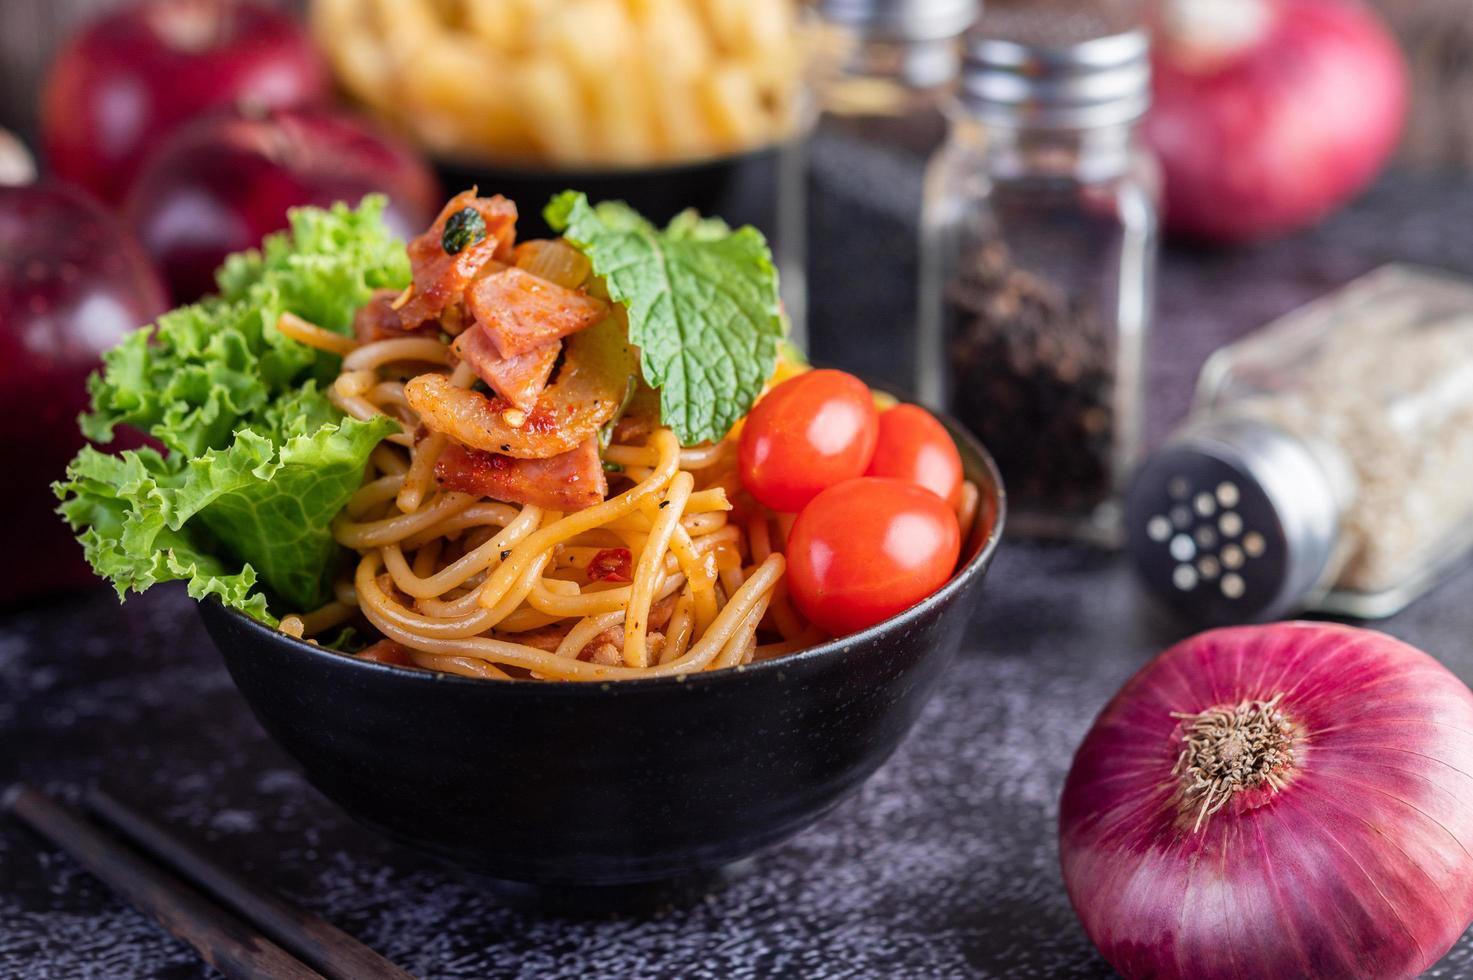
x=596 y=784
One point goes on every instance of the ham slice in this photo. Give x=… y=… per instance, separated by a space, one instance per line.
x=440 y=278
x=387 y=652
x=608 y=646
x=522 y=312
x=588 y=390
x=634 y=429
x=547 y=638
x=569 y=482
x=519 y=379
x=378 y=320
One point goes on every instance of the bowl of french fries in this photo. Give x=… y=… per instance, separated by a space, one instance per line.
x=573 y=86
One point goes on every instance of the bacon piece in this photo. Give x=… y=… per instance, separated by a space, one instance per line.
x=571 y=481
x=518 y=379
x=596 y=372
x=612 y=565
x=440 y=279
x=641 y=416
x=387 y=652
x=378 y=320
x=608 y=647
x=634 y=429
x=661 y=612
x=522 y=312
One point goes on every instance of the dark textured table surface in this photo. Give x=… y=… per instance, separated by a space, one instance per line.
x=944 y=865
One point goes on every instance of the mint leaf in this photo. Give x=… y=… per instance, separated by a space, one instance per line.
x=702 y=302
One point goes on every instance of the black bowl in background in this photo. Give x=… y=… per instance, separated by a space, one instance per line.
x=601 y=784
x=740 y=187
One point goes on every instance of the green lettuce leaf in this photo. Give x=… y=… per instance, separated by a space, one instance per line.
x=258 y=461
x=206 y=369
x=702 y=301
x=106 y=499
x=221 y=519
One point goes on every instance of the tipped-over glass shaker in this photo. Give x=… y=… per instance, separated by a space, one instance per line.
x=1327 y=463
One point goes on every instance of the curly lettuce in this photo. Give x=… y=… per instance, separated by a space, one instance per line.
x=257 y=460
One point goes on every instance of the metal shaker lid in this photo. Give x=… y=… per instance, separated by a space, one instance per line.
x=1063 y=65
x=1234 y=521
x=902 y=20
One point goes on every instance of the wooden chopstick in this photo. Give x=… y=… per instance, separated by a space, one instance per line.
x=316 y=942
x=222 y=940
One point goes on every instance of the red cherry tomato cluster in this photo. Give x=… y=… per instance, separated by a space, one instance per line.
x=874 y=491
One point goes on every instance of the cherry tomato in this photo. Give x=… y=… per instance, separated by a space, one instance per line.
x=914 y=446
x=868 y=548
x=808 y=433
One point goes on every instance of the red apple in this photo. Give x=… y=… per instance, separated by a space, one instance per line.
x=220 y=184
x=129 y=77
x=1269 y=114
x=73 y=282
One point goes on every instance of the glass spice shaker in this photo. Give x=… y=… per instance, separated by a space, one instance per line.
x=884 y=68
x=1038 y=247
x=1327 y=463
x=882 y=71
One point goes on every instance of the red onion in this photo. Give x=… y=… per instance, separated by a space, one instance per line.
x=73 y=282
x=131 y=76
x=218 y=185
x=1275 y=801
x=1268 y=114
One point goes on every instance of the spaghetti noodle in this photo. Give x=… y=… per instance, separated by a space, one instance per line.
x=488 y=589
x=656 y=577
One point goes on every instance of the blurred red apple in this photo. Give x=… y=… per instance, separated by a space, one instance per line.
x=73 y=282
x=220 y=184
x=1269 y=114
x=128 y=78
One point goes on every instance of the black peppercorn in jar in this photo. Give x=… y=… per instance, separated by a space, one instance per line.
x=1038 y=255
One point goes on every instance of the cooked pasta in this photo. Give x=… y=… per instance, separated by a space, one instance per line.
x=625 y=556
x=495 y=590
x=487 y=589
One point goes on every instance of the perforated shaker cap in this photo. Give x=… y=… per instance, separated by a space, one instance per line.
x=1234 y=521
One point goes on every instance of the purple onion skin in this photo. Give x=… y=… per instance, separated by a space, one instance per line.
x=222 y=183
x=73 y=283
x=1360 y=866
